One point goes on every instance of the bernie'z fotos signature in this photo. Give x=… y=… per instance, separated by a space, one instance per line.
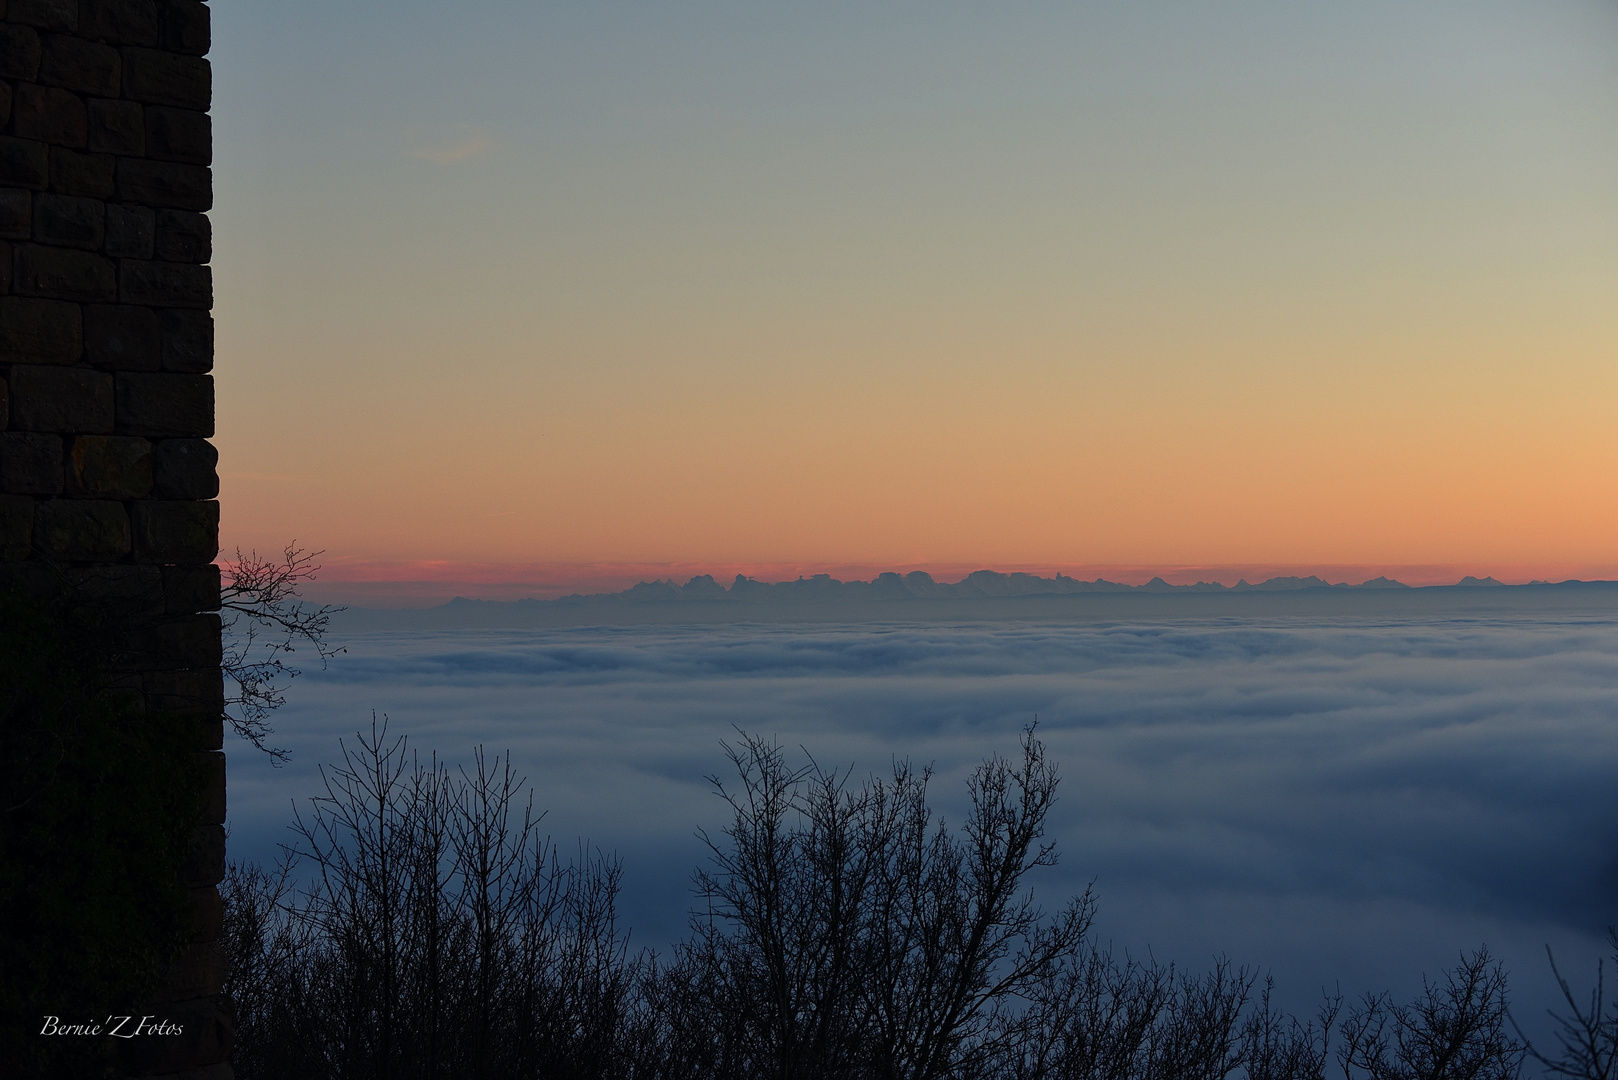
x=126 y=1027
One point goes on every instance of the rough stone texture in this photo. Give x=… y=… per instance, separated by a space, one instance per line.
x=193 y=588
x=70 y=221
x=49 y=114
x=179 y=135
x=81 y=66
x=24 y=162
x=110 y=466
x=19 y=52
x=187 y=341
x=16 y=526
x=175 y=530
x=121 y=337
x=79 y=530
x=184 y=237
x=45 y=14
x=31 y=463
x=186 y=469
x=73 y=173
x=131 y=231
x=205 y=861
x=16 y=213
x=63 y=399
x=107 y=479
x=116 y=127
x=63 y=274
x=39 y=331
x=160 y=404
x=119 y=22
x=186 y=691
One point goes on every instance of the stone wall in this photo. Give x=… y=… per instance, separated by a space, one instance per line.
x=107 y=479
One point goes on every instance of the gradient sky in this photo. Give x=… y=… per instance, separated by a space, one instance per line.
x=1298 y=284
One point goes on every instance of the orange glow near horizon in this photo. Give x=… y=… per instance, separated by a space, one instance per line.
x=1081 y=287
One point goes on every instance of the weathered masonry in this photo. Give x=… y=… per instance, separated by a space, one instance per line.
x=107 y=477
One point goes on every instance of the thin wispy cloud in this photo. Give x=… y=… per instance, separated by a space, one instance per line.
x=468 y=142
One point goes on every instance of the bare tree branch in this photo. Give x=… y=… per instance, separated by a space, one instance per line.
x=265 y=622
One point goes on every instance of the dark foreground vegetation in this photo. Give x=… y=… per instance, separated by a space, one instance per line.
x=424 y=927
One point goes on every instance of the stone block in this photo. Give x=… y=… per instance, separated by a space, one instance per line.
x=186 y=469
x=131 y=231
x=163 y=405
x=207 y=914
x=49 y=114
x=6 y=265
x=16 y=213
x=70 y=221
x=24 y=163
x=115 y=127
x=81 y=530
x=128 y=590
x=179 y=135
x=185 y=692
x=30 y=463
x=187 y=340
x=16 y=530
x=183 y=236
x=36 y=331
x=205 y=1025
x=175 y=531
x=165 y=183
x=205 y=858
x=5 y=406
x=19 y=52
x=62 y=274
x=165 y=284
x=73 y=173
x=110 y=466
x=71 y=401
x=210 y=729
x=119 y=22
x=120 y=337
x=191 y=588
x=5 y=104
x=213 y=800
x=78 y=65
x=164 y=78
x=197 y=972
x=185 y=27
x=175 y=643
x=45 y=14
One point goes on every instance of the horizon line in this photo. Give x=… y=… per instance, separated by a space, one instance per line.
x=411 y=583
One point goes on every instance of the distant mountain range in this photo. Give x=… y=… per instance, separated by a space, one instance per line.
x=990 y=595
x=919 y=585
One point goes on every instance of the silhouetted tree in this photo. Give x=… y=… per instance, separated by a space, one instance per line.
x=844 y=932
x=265 y=621
x=1587 y=1039
x=1455 y=1030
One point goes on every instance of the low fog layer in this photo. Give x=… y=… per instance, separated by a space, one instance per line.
x=988 y=594
x=1355 y=799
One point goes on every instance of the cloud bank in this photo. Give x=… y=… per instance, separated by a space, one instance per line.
x=1354 y=799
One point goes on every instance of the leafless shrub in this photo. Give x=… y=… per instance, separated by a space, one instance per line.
x=844 y=932
x=1456 y=1030
x=436 y=933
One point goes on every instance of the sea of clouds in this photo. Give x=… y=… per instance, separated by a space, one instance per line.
x=1347 y=803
